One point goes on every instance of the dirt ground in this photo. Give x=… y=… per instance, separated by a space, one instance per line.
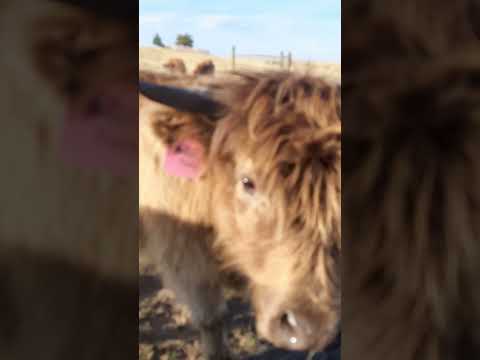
x=165 y=333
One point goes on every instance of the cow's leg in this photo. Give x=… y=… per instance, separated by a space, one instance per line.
x=208 y=317
x=194 y=279
x=205 y=301
x=188 y=268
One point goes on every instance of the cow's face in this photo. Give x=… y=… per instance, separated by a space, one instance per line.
x=280 y=226
x=278 y=207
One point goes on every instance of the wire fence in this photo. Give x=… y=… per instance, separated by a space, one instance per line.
x=284 y=60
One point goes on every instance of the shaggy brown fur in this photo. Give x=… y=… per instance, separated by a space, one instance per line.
x=206 y=67
x=411 y=230
x=67 y=234
x=63 y=55
x=286 y=236
x=176 y=66
x=283 y=231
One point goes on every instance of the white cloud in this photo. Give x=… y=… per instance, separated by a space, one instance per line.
x=212 y=22
x=157 y=18
x=207 y=22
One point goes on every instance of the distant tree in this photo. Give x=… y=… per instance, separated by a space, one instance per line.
x=184 y=40
x=157 y=40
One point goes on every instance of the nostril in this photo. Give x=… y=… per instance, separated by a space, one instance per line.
x=289 y=320
x=289 y=328
x=294 y=330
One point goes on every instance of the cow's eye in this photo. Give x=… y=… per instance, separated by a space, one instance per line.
x=248 y=185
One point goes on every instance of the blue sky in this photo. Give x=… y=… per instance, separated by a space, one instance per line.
x=310 y=29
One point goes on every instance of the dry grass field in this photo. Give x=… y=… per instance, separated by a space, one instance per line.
x=151 y=58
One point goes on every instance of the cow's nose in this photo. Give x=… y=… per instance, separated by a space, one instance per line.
x=293 y=330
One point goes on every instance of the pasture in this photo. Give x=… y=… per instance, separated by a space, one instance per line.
x=153 y=58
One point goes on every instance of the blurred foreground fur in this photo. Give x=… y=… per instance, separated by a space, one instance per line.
x=52 y=310
x=283 y=132
x=68 y=258
x=51 y=206
x=411 y=93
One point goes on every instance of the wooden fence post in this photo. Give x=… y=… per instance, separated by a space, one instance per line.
x=289 y=61
x=233 y=58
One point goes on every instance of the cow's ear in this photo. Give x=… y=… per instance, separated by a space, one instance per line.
x=186 y=138
x=189 y=130
x=188 y=155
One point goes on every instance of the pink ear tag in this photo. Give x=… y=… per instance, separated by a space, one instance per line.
x=185 y=159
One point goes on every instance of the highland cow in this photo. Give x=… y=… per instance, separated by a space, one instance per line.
x=410 y=182
x=175 y=66
x=246 y=178
x=206 y=67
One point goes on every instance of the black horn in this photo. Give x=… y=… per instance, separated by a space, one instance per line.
x=182 y=99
